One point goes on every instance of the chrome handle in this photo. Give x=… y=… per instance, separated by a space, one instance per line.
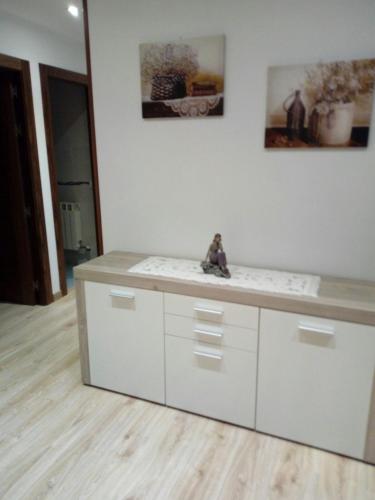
x=208 y=355
x=210 y=334
x=208 y=311
x=320 y=330
x=123 y=294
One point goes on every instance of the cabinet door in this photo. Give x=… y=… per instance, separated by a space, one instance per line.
x=125 y=339
x=315 y=380
x=215 y=381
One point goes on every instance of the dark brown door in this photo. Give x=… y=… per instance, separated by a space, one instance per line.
x=17 y=282
x=67 y=103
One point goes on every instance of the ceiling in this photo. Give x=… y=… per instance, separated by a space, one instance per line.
x=51 y=14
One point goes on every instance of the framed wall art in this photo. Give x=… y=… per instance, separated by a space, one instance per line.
x=183 y=78
x=320 y=105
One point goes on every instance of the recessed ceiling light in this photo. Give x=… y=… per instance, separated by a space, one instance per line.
x=73 y=10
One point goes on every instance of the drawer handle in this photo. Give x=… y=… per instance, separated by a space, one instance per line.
x=208 y=355
x=210 y=334
x=208 y=311
x=320 y=330
x=122 y=294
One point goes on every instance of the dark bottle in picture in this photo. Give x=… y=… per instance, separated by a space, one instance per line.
x=313 y=127
x=295 y=116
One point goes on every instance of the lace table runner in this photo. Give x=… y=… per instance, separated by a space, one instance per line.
x=194 y=106
x=263 y=280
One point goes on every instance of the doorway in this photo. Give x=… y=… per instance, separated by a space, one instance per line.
x=24 y=262
x=74 y=186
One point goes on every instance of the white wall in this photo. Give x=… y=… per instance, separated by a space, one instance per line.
x=28 y=41
x=168 y=185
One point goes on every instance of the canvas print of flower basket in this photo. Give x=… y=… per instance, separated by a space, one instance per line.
x=320 y=105
x=183 y=79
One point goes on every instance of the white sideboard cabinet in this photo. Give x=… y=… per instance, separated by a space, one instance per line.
x=300 y=368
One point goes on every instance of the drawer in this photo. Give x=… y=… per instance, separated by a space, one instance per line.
x=126 y=340
x=315 y=380
x=211 y=381
x=212 y=333
x=211 y=310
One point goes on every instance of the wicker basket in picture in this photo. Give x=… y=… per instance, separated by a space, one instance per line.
x=168 y=87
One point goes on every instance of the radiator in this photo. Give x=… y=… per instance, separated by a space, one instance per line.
x=71 y=224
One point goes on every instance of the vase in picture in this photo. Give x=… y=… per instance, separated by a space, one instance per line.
x=335 y=128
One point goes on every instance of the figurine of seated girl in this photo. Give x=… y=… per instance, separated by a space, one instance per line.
x=216 y=261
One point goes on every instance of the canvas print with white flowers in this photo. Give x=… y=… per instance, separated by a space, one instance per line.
x=320 y=105
x=183 y=79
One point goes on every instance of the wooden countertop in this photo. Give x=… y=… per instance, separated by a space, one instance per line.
x=341 y=299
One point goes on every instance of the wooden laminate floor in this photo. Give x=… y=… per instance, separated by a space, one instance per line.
x=62 y=440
